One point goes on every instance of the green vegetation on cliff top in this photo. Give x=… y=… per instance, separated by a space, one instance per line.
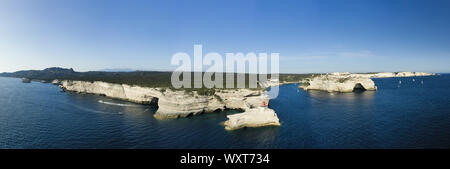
x=138 y=78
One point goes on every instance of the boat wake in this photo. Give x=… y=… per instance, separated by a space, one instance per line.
x=93 y=111
x=117 y=104
x=87 y=109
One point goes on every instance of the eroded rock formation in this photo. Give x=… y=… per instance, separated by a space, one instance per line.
x=347 y=82
x=173 y=104
x=255 y=117
x=339 y=83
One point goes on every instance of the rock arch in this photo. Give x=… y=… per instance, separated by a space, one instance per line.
x=359 y=87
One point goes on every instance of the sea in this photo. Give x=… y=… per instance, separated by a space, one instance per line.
x=407 y=112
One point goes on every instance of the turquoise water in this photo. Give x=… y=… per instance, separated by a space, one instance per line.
x=410 y=115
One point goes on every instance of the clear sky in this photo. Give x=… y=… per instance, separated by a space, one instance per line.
x=311 y=36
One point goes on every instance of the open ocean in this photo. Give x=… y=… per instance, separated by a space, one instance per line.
x=413 y=114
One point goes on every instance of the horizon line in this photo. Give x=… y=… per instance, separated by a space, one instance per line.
x=137 y=70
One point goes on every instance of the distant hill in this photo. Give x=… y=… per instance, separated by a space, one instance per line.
x=141 y=78
x=117 y=70
x=48 y=73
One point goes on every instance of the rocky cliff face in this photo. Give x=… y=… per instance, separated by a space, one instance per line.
x=339 y=83
x=119 y=91
x=347 y=82
x=254 y=117
x=173 y=104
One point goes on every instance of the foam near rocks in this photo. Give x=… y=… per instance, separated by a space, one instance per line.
x=172 y=104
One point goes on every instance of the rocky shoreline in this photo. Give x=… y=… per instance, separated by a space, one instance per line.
x=176 y=104
x=346 y=82
x=256 y=117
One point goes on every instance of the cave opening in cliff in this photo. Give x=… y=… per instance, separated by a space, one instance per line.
x=154 y=103
x=359 y=88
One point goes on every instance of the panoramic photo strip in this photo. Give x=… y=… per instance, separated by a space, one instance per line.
x=224 y=83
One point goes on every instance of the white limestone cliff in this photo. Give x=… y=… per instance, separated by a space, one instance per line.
x=173 y=104
x=391 y=74
x=255 y=117
x=119 y=91
x=338 y=83
x=347 y=82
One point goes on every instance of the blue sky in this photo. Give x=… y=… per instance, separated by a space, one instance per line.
x=311 y=36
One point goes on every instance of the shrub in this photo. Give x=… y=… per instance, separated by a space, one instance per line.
x=218 y=98
x=304 y=84
x=206 y=92
x=342 y=80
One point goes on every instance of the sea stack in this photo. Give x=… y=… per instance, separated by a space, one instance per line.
x=339 y=82
x=255 y=117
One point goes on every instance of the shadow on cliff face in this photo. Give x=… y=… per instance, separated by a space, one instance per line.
x=154 y=103
x=359 y=88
